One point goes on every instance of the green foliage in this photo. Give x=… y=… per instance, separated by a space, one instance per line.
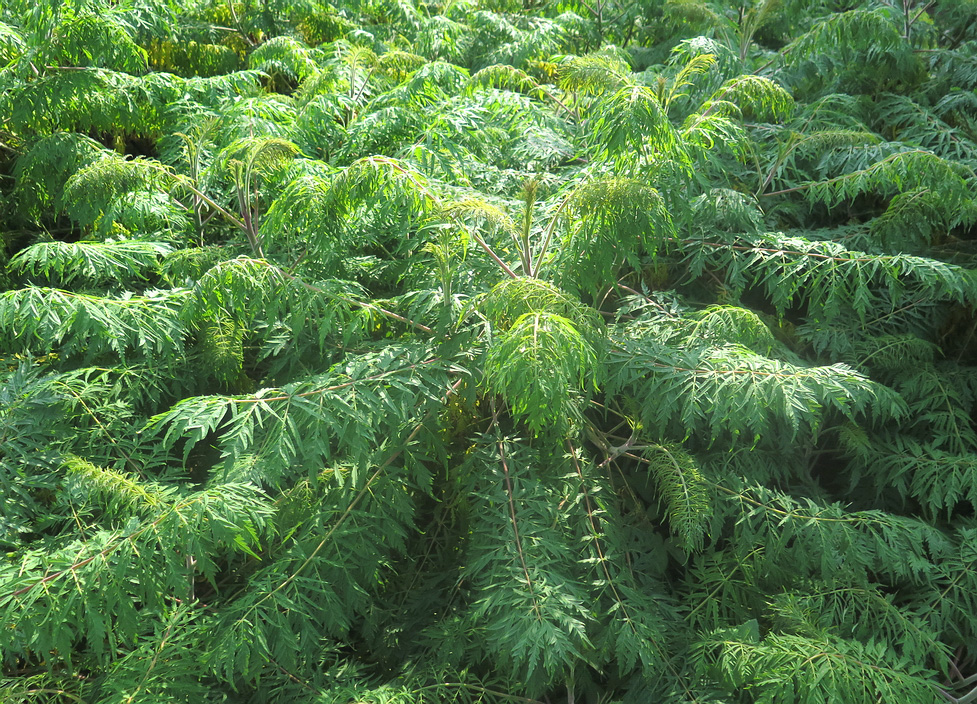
x=192 y=58
x=31 y=420
x=683 y=491
x=827 y=277
x=42 y=320
x=314 y=209
x=143 y=562
x=903 y=172
x=93 y=262
x=86 y=38
x=41 y=172
x=738 y=392
x=521 y=572
x=613 y=222
x=278 y=430
x=868 y=54
x=283 y=56
x=89 y=193
x=631 y=124
x=488 y=352
x=537 y=364
x=757 y=97
x=812 y=668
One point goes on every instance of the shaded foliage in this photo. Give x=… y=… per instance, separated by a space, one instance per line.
x=488 y=351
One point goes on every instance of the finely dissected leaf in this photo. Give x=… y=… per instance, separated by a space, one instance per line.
x=757 y=97
x=41 y=173
x=43 y=319
x=794 y=668
x=91 y=190
x=488 y=352
x=146 y=563
x=93 y=262
x=537 y=365
x=283 y=55
x=532 y=611
x=313 y=209
x=32 y=417
x=828 y=276
x=737 y=391
x=632 y=123
x=86 y=38
x=593 y=73
x=870 y=52
x=683 y=492
x=348 y=411
x=510 y=299
x=614 y=221
x=903 y=172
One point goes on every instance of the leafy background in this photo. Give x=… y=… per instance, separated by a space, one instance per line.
x=481 y=351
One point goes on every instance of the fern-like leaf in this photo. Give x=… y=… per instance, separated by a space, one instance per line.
x=539 y=365
x=93 y=262
x=683 y=492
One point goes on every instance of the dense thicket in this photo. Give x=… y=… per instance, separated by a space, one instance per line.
x=469 y=350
